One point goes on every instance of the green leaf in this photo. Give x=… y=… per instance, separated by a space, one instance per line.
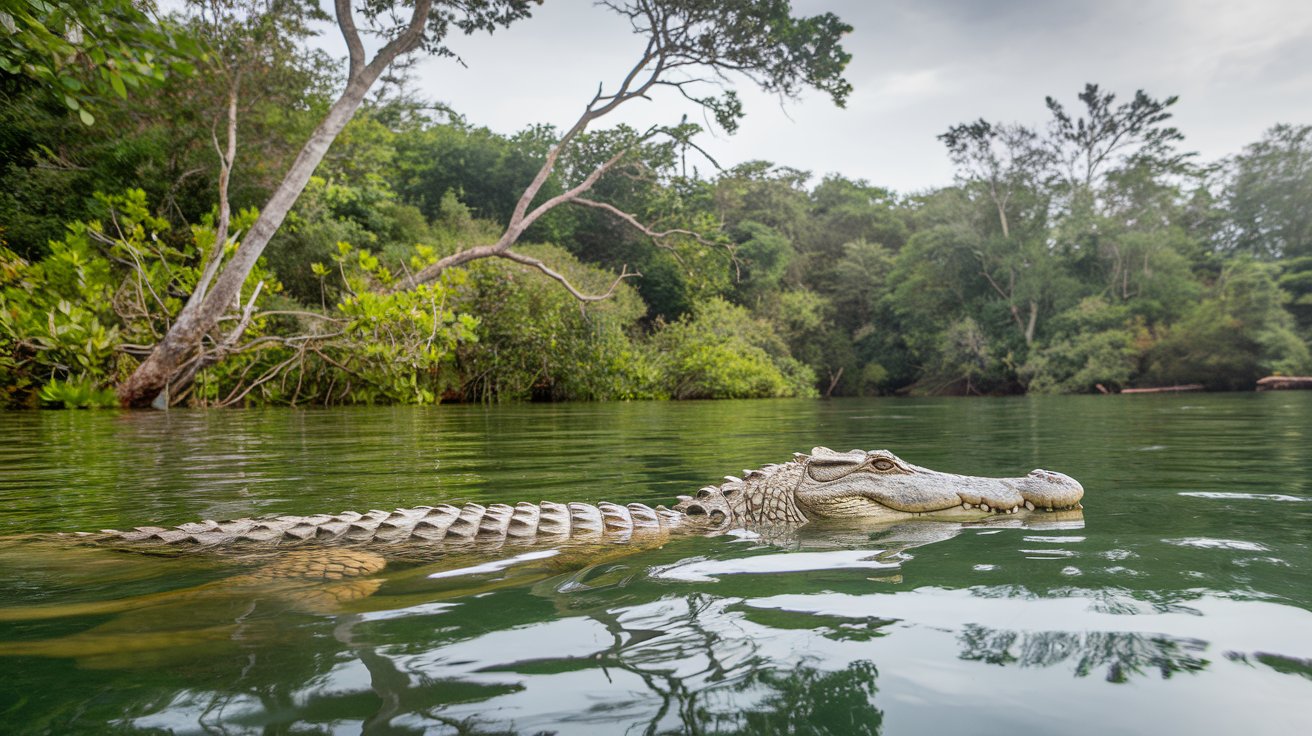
x=87 y=118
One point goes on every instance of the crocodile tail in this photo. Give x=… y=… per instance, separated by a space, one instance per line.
x=433 y=526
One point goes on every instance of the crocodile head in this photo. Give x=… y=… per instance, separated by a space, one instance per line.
x=871 y=485
x=860 y=484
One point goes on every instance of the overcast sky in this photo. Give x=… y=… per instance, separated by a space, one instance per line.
x=919 y=66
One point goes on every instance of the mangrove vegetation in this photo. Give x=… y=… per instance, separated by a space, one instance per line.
x=206 y=209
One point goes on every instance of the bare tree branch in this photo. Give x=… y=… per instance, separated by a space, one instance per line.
x=227 y=157
x=544 y=268
x=588 y=182
x=656 y=235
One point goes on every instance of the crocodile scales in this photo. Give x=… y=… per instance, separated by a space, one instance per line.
x=875 y=485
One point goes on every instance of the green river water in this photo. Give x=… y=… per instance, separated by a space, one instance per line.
x=1181 y=603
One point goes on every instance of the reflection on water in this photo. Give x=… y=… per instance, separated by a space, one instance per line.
x=1180 y=601
x=1119 y=656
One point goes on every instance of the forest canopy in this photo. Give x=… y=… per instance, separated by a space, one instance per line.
x=1085 y=250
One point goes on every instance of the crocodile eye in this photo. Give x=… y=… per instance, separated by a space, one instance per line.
x=883 y=465
x=825 y=472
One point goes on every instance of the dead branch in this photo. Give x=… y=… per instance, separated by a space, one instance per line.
x=544 y=268
x=227 y=157
x=656 y=235
x=637 y=82
x=234 y=396
x=299 y=313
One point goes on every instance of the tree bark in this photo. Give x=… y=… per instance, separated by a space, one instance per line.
x=201 y=314
x=1034 y=321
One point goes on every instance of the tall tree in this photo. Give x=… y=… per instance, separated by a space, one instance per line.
x=1009 y=168
x=1108 y=135
x=427 y=28
x=1270 y=195
x=688 y=42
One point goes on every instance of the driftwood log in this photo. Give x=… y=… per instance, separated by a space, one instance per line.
x=1164 y=389
x=1284 y=383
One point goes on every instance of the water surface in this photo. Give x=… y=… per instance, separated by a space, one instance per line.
x=1181 y=602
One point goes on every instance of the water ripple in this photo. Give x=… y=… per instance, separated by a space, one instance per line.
x=702 y=570
x=1208 y=543
x=1227 y=496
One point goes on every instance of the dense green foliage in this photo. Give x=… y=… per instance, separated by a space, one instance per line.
x=1094 y=255
x=78 y=53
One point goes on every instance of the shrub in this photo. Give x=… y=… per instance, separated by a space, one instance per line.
x=721 y=351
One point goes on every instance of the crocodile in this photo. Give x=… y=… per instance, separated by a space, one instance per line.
x=856 y=485
x=326 y=562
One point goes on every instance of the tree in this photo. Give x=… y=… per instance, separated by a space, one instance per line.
x=1141 y=244
x=1093 y=348
x=426 y=29
x=1236 y=335
x=1010 y=166
x=1009 y=161
x=245 y=39
x=761 y=41
x=1270 y=195
x=1108 y=135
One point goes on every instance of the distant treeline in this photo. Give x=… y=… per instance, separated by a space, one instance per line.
x=1091 y=250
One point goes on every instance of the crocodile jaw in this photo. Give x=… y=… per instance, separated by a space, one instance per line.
x=879 y=485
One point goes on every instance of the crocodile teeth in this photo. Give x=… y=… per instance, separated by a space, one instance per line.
x=1029 y=506
x=966 y=505
x=984 y=507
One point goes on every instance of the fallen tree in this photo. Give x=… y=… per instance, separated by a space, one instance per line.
x=1284 y=383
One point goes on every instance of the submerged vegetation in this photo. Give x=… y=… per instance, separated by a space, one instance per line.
x=1091 y=252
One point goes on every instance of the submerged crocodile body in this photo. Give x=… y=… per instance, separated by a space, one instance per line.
x=875 y=485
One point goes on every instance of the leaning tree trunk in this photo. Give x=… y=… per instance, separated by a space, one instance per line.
x=168 y=360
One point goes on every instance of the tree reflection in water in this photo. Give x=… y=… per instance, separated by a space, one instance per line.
x=609 y=648
x=694 y=679
x=802 y=700
x=1122 y=654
